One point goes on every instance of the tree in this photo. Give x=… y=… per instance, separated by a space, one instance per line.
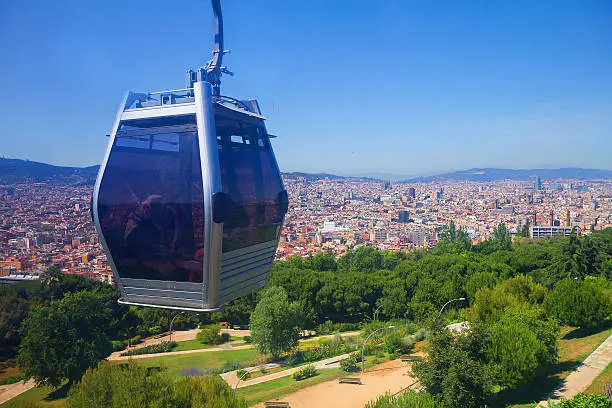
x=275 y=322
x=580 y=303
x=132 y=386
x=501 y=240
x=452 y=239
x=63 y=340
x=52 y=278
x=455 y=370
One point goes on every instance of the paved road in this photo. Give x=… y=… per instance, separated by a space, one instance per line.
x=10 y=391
x=584 y=375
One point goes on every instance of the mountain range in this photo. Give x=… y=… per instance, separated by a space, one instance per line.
x=17 y=170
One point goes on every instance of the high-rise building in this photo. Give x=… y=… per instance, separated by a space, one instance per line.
x=567 y=218
x=551 y=218
x=538 y=183
x=403 y=216
x=412 y=192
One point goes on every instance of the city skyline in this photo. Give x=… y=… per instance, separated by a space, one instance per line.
x=351 y=88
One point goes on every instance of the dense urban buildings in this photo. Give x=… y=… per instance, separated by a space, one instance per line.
x=43 y=224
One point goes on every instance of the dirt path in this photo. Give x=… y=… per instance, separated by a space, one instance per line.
x=10 y=391
x=232 y=379
x=387 y=377
x=584 y=375
x=190 y=335
x=116 y=357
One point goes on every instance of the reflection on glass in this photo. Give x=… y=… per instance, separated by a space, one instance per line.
x=250 y=177
x=151 y=204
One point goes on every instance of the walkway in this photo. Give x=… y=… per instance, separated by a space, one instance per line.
x=584 y=375
x=391 y=376
x=117 y=357
x=10 y=391
x=232 y=379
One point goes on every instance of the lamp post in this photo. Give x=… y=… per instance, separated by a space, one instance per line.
x=452 y=300
x=243 y=375
x=376 y=312
x=172 y=321
x=366 y=340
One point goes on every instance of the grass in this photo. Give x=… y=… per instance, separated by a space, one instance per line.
x=9 y=373
x=190 y=345
x=45 y=396
x=575 y=345
x=201 y=361
x=605 y=377
x=276 y=389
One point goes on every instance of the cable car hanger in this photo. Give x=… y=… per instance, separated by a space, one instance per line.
x=189 y=202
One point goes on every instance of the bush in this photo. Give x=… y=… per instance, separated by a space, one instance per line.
x=420 y=335
x=247 y=339
x=11 y=380
x=155 y=330
x=586 y=401
x=162 y=347
x=243 y=374
x=409 y=399
x=114 y=386
x=295 y=358
x=210 y=335
x=136 y=340
x=306 y=372
x=225 y=337
x=393 y=342
x=193 y=371
x=351 y=363
x=117 y=345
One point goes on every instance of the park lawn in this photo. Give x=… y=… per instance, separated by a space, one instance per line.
x=41 y=395
x=575 y=345
x=202 y=361
x=598 y=385
x=8 y=373
x=276 y=389
x=190 y=345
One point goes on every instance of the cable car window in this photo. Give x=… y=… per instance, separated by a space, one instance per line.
x=250 y=178
x=151 y=203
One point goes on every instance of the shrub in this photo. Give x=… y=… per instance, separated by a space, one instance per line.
x=136 y=340
x=247 y=339
x=295 y=358
x=586 y=401
x=117 y=345
x=210 y=335
x=225 y=337
x=409 y=399
x=11 y=380
x=393 y=342
x=407 y=344
x=155 y=330
x=162 y=347
x=351 y=363
x=191 y=371
x=420 y=335
x=306 y=372
x=243 y=374
x=113 y=386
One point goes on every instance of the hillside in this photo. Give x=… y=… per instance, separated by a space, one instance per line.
x=492 y=174
x=18 y=171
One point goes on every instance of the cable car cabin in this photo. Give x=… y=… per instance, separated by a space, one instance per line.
x=189 y=202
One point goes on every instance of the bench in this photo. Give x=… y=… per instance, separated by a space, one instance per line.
x=409 y=359
x=276 y=404
x=349 y=380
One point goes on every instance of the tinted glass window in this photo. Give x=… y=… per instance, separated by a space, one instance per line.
x=150 y=204
x=250 y=177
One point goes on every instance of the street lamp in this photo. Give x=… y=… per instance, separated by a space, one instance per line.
x=243 y=375
x=376 y=312
x=452 y=300
x=172 y=321
x=366 y=340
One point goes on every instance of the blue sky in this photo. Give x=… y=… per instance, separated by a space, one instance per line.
x=351 y=87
